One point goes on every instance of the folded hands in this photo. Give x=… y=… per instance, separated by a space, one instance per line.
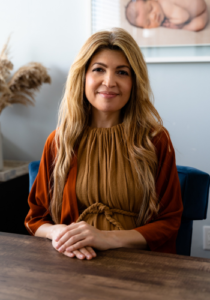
x=79 y=239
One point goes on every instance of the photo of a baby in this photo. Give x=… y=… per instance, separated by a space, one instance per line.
x=175 y=14
x=161 y=27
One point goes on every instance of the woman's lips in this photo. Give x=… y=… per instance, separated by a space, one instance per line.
x=107 y=95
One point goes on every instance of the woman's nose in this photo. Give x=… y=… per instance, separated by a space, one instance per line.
x=109 y=80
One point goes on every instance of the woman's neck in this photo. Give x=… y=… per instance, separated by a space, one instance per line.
x=104 y=120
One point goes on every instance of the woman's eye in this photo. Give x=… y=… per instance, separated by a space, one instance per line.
x=122 y=72
x=98 y=70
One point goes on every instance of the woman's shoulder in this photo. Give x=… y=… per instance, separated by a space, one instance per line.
x=162 y=141
x=50 y=140
x=50 y=137
x=49 y=146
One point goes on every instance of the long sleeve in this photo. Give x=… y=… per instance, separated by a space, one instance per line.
x=161 y=232
x=39 y=197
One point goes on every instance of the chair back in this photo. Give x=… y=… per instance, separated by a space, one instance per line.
x=195 y=194
x=33 y=169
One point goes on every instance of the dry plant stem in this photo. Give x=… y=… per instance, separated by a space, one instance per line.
x=24 y=83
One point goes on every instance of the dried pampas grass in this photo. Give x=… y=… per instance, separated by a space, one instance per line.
x=21 y=87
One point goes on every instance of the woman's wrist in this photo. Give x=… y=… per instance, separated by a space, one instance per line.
x=46 y=230
x=126 y=239
x=53 y=230
x=49 y=232
x=113 y=239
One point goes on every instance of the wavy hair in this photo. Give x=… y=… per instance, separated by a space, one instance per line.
x=141 y=120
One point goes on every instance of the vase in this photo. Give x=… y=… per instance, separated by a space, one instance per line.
x=1 y=152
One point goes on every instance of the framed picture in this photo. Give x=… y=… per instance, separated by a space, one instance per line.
x=165 y=30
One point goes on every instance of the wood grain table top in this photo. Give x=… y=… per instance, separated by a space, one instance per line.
x=31 y=269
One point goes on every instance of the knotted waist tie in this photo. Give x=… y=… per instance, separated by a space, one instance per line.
x=99 y=208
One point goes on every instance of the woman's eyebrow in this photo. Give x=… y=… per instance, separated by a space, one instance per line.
x=98 y=63
x=104 y=65
x=123 y=66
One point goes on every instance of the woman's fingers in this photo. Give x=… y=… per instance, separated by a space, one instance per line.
x=63 y=232
x=69 y=241
x=69 y=237
x=75 y=246
x=69 y=254
x=79 y=254
x=92 y=252
x=88 y=252
x=80 y=235
x=70 y=231
x=70 y=227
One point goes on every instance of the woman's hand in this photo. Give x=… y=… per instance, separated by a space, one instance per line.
x=77 y=236
x=85 y=252
x=77 y=239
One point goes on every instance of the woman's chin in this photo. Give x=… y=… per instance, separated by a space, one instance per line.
x=107 y=108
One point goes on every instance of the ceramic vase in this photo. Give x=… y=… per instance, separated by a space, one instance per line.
x=1 y=151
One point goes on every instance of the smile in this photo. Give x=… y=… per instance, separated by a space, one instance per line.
x=108 y=95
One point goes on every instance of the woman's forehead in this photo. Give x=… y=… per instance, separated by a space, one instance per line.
x=108 y=54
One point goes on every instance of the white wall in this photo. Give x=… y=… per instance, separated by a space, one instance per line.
x=52 y=32
x=182 y=97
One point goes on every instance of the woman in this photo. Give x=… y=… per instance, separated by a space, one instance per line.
x=107 y=177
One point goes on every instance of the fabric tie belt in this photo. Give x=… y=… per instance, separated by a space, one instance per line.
x=99 y=208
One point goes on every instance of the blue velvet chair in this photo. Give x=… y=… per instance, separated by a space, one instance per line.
x=195 y=193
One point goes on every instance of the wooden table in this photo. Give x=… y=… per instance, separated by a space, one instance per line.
x=31 y=269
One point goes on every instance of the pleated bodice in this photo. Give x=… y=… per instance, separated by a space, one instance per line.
x=107 y=195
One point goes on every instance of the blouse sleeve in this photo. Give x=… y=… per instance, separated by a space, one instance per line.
x=39 y=197
x=161 y=232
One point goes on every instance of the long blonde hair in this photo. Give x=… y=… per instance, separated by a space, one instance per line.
x=141 y=120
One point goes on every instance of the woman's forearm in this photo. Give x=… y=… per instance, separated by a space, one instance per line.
x=114 y=239
x=45 y=231
x=127 y=239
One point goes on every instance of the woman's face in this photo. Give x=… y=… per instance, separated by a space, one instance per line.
x=108 y=81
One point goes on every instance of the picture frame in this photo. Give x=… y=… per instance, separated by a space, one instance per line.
x=158 y=45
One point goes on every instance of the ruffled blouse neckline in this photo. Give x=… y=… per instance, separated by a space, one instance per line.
x=106 y=129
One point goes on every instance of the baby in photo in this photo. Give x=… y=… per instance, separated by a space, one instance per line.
x=176 y=14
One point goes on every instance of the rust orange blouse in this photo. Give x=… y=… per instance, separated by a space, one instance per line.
x=160 y=232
